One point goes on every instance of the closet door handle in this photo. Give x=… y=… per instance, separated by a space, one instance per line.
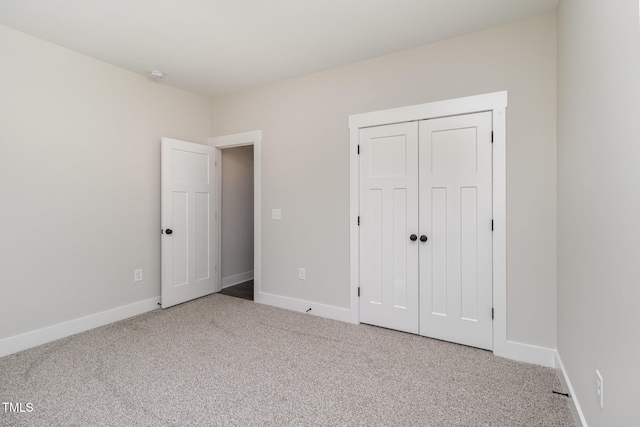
x=413 y=238
x=423 y=238
x=169 y=231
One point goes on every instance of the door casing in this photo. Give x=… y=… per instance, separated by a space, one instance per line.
x=253 y=138
x=496 y=103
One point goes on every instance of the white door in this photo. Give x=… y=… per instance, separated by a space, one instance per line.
x=425 y=228
x=388 y=217
x=455 y=215
x=187 y=218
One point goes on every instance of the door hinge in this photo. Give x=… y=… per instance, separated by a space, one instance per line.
x=491 y=225
x=358 y=148
x=358 y=220
x=491 y=313
x=358 y=291
x=491 y=136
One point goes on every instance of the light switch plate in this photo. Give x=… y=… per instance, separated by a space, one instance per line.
x=276 y=214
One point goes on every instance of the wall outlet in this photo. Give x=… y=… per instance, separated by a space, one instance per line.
x=276 y=214
x=599 y=389
x=137 y=275
x=302 y=274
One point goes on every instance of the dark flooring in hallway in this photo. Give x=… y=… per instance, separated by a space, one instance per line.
x=242 y=290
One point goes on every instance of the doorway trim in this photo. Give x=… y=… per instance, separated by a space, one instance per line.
x=239 y=140
x=495 y=102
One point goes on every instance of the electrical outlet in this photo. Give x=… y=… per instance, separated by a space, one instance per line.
x=276 y=214
x=137 y=275
x=599 y=389
x=302 y=274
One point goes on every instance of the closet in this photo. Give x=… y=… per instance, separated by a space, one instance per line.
x=425 y=200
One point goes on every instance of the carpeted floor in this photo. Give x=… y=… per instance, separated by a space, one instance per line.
x=220 y=360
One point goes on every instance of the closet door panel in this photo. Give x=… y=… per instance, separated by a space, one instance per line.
x=455 y=215
x=388 y=218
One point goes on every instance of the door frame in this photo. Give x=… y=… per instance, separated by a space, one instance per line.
x=495 y=102
x=239 y=140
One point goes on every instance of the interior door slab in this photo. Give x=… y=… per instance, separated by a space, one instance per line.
x=455 y=215
x=188 y=239
x=389 y=216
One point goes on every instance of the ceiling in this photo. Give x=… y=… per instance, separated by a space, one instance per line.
x=215 y=47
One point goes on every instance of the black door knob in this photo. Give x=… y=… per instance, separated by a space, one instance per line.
x=423 y=238
x=169 y=231
x=413 y=237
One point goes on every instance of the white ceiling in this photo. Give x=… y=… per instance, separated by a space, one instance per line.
x=214 y=47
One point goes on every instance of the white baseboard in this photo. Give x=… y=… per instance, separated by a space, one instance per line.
x=526 y=353
x=511 y=350
x=322 y=310
x=575 y=406
x=236 y=279
x=61 y=330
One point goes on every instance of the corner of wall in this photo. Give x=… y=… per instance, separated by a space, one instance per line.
x=574 y=405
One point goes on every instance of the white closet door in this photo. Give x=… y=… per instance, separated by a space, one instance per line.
x=188 y=201
x=455 y=215
x=388 y=217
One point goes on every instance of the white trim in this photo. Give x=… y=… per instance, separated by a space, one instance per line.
x=496 y=103
x=61 y=330
x=237 y=279
x=564 y=376
x=322 y=310
x=432 y=110
x=354 y=230
x=500 y=339
x=528 y=353
x=238 y=140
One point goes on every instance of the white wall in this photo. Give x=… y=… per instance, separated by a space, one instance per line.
x=305 y=168
x=599 y=205
x=79 y=181
x=237 y=212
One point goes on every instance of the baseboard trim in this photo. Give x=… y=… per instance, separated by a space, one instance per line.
x=322 y=310
x=38 y=337
x=576 y=410
x=237 y=279
x=510 y=349
x=526 y=353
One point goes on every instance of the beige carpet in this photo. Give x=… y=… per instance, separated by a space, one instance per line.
x=225 y=361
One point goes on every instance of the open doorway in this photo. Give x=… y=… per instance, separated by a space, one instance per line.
x=239 y=214
x=236 y=218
